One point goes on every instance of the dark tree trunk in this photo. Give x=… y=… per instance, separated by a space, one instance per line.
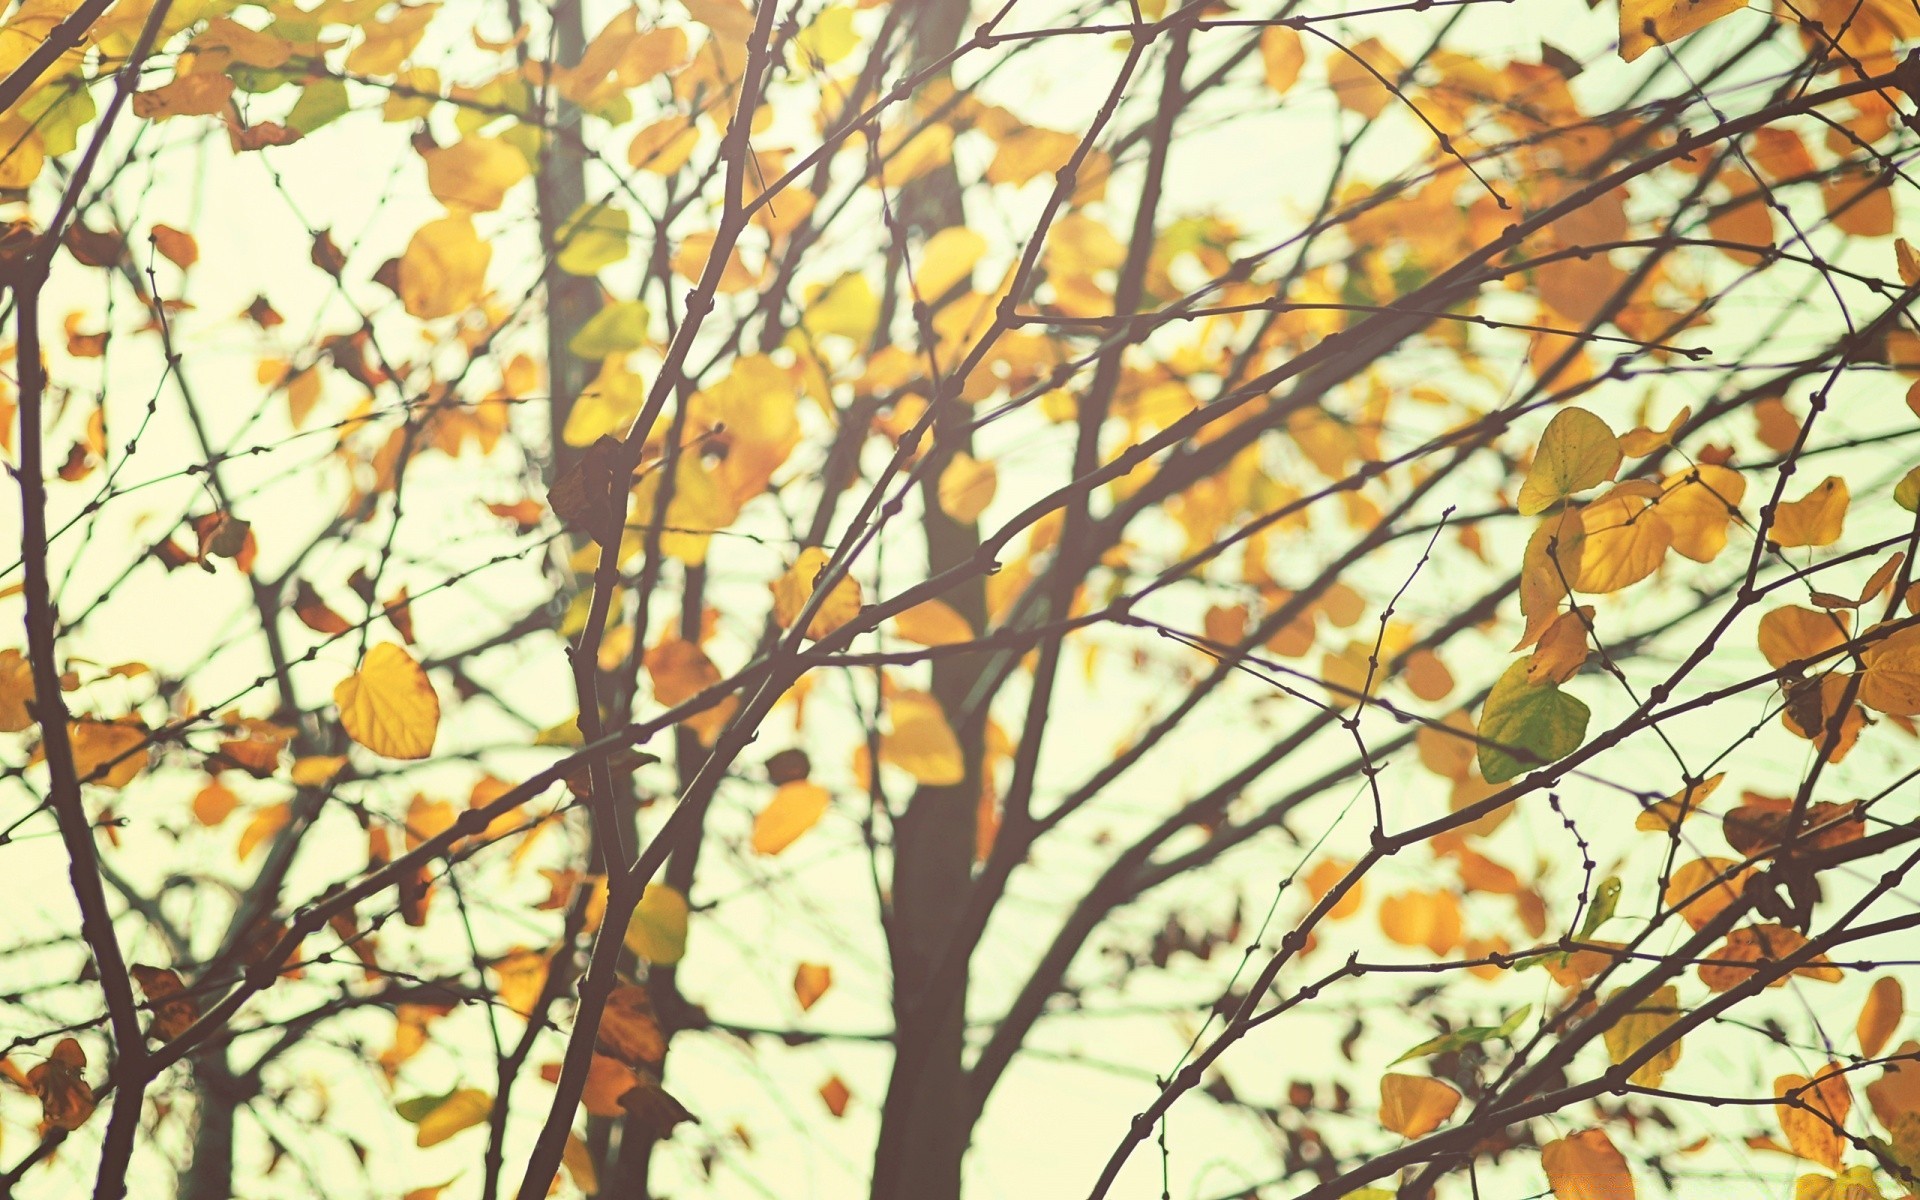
x=923 y=1133
x=209 y=1176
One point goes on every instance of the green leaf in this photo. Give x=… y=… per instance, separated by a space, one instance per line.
x=1577 y=452
x=1471 y=1035
x=593 y=238
x=415 y=1110
x=1605 y=900
x=462 y=1109
x=320 y=103
x=615 y=329
x=526 y=139
x=1906 y=493
x=658 y=930
x=59 y=112
x=1525 y=725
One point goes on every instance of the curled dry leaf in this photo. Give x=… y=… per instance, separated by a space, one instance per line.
x=66 y=1100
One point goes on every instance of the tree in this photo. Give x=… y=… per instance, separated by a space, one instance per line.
x=666 y=600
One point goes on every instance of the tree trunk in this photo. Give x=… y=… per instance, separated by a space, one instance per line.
x=209 y=1176
x=923 y=1138
x=560 y=190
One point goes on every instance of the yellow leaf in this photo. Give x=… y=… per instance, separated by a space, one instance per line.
x=1587 y=1166
x=1415 y=1105
x=413 y=96
x=793 y=589
x=316 y=770
x=389 y=705
x=932 y=623
x=830 y=38
x=1649 y=1020
x=1577 y=452
x=810 y=982
x=16 y=691
x=1792 y=634
x=616 y=329
x=1854 y=1183
x=522 y=974
x=1282 y=56
x=1697 y=503
x=1643 y=440
x=475 y=173
x=966 y=487
x=1357 y=88
x=920 y=742
x=607 y=406
x=947 y=259
x=267 y=822
x=113 y=750
x=1880 y=1017
x=464 y=1109
x=795 y=808
x=658 y=930
x=199 y=95
x=1645 y=24
x=1676 y=808
x=444 y=269
x=1027 y=152
x=664 y=146
x=593 y=238
x=1813 y=1116
x=1625 y=539
x=1891 y=683
x=1563 y=648
x=387 y=43
x=1815 y=519
x=1430 y=919
x=848 y=307
x=1551 y=560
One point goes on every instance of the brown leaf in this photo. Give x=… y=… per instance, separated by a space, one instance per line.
x=628 y=1031
x=66 y=1101
x=173 y=1009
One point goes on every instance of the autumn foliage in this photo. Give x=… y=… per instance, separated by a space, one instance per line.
x=718 y=598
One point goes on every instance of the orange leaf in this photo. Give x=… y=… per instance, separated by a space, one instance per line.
x=810 y=982
x=1414 y=1105
x=1880 y=1017
x=836 y=1096
x=1587 y=1166
x=1727 y=969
